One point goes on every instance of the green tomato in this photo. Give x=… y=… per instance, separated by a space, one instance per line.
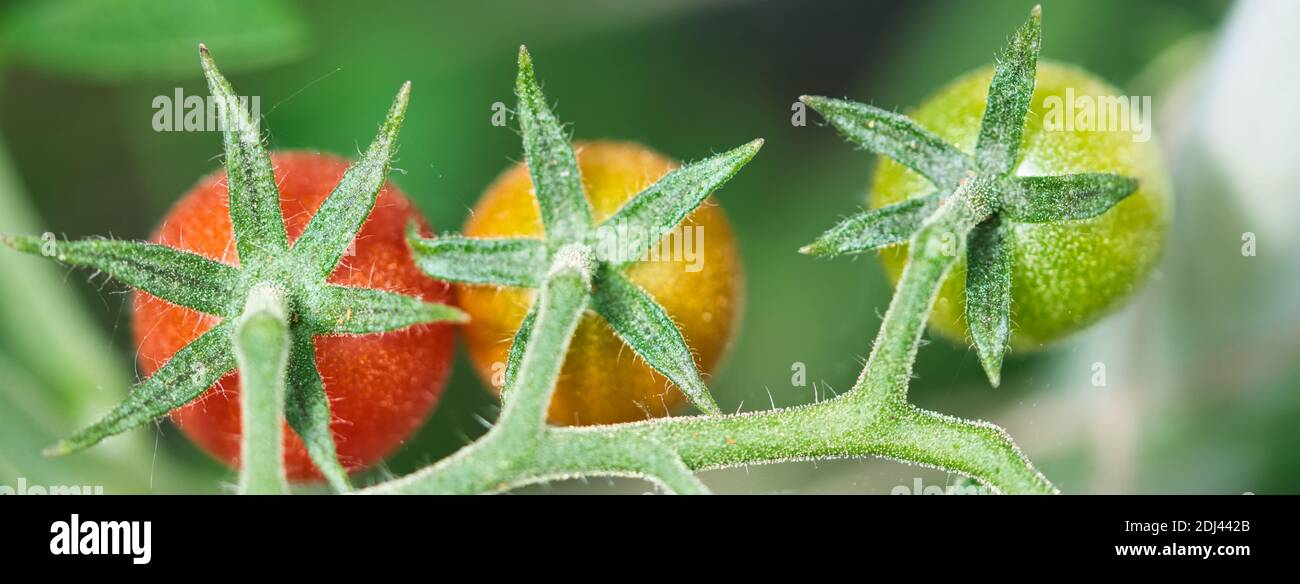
x=1067 y=275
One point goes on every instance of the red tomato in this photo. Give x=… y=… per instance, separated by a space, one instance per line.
x=380 y=387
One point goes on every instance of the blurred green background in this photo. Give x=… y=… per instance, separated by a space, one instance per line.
x=1203 y=379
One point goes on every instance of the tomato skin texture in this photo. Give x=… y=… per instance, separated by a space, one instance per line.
x=1065 y=276
x=381 y=387
x=602 y=380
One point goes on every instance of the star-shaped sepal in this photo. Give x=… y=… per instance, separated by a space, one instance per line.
x=295 y=277
x=985 y=180
x=566 y=216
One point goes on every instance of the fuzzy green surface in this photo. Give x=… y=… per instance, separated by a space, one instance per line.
x=1064 y=275
x=566 y=216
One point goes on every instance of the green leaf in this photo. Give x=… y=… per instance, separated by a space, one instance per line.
x=501 y=262
x=179 y=277
x=343 y=310
x=1010 y=92
x=658 y=209
x=336 y=224
x=261 y=341
x=185 y=376
x=875 y=228
x=896 y=136
x=307 y=410
x=1067 y=197
x=552 y=165
x=988 y=293
x=125 y=40
x=254 y=198
x=516 y=355
x=650 y=332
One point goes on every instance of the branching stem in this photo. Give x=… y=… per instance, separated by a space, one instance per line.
x=874 y=419
x=563 y=298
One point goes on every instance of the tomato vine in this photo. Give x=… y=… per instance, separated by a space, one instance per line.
x=976 y=197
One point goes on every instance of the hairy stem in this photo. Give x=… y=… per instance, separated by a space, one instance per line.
x=563 y=298
x=502 y=458
x=934 y=248
x=261 y=340
x=839 y=428
x=874 y=419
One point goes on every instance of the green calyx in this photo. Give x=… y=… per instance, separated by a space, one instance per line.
x=987 y=179
x=278 y=293
x=566 y=216
x=270 y=312
x=871 y=419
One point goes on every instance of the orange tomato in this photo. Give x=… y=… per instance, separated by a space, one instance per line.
x=602 y=380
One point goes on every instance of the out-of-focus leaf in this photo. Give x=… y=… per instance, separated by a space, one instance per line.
x=57 y=372
x=44 y=326
x=114 y=40
x=28 y=420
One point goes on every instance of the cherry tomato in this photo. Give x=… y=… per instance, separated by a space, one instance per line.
x=602 y=380
x=1064 y=275
x=381 y=387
